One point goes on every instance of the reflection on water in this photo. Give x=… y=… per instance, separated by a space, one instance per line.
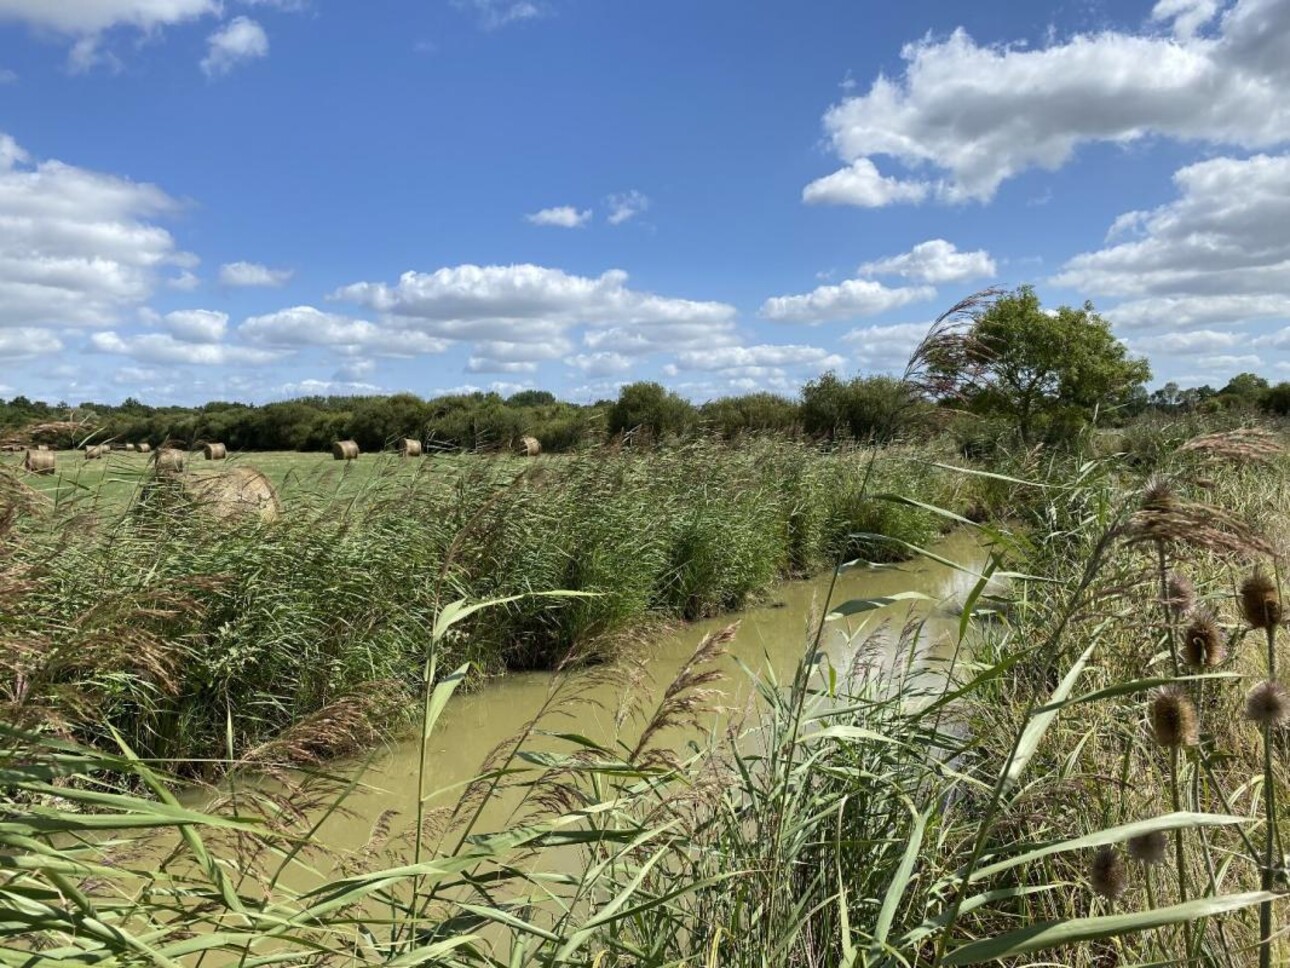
x=770 y=640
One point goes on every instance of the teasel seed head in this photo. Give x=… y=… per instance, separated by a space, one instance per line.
x=1158 y=494
x=1260 y=602
x=1149 y=848
x=1180 y=594
x=1268 y=704
x=1173 y=718
x=1203 y=644
x=1107 y=874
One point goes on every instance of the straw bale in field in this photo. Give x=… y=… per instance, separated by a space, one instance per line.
x=130 y=448
x=169 y=460
x=214 y=451
x=145 y=448
x=236 y=493
x=345 y=450
x=42 y=446
x=409 y=447
x=96 y=451
x=530 y=447
x=39 y=462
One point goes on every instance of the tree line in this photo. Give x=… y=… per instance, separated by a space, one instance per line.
x=1016 y=370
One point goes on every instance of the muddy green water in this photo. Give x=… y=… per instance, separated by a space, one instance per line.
x=770 y=639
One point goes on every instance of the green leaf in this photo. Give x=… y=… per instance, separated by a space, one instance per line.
x=1052 y=934
x=1039 y=722
x=859 y=605
x=1112 y=835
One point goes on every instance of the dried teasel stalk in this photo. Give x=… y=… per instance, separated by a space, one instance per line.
x=1203 y=642
x=1107 y=874
x=1173 y=718
x=1149 y=849
x=1260 y=601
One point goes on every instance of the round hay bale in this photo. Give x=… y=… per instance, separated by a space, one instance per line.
x=236 y=493
x=95 y=452
x=42 y=446
x=409 y=447
x=145 y=448
x=529 y=446
x=129 y=448
x=214 y=451
x=39 y=462
x=345 y=450
x=169 y=460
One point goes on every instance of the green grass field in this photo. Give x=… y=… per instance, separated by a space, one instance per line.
x=110 y=483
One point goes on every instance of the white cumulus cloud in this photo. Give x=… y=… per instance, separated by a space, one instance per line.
x=197 y=325
x=604 y=363
x=846 y=300
x=1217 y=253
x=93 y=16
x=760 y=358
x=165 y=348
x=26 y=342
x=563 y=216
x=301 y=326
x=253 y=274
x=238 y=41
x=967 y=116
x=934 y=261
x=77 y=247
x=625 y=206
x=536 y=304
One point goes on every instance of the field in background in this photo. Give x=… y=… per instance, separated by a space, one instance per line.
x=110 y=483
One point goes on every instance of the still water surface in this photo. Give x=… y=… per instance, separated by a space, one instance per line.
x=771 y=638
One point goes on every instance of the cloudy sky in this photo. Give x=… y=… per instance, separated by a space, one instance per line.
x=252 y=199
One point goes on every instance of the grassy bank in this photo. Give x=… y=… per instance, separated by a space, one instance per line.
x=1084 y=787
x=201 y=640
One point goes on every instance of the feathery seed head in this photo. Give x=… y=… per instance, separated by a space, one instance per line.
x=1260 y=602
x=1268 y=704
x=1203 y=644
x=1107 y=874
x=1149 y=848
x=1173 y=718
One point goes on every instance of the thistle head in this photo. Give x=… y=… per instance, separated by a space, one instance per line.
x=1149 y=848
x=1106 y=874
x=1203 y=644
x=1268 y=704
x=1173 y=718
x=1158 y=494
x=1260 y=602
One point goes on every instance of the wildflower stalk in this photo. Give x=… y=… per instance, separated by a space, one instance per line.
x=1179 y=854
x=1269 y=814
x=1162 y=568
x=1269 y=835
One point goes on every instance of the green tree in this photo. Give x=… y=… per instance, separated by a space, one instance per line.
x=650 y=407
x=1245 y=391
x=1041 y=369
x=1277 y=399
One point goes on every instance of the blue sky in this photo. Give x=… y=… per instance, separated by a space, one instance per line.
x=253 y=199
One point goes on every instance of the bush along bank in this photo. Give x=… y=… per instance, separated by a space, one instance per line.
x=199 y=640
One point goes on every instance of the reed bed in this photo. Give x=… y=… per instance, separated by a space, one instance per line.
x=268 y=619
x=1092 y=777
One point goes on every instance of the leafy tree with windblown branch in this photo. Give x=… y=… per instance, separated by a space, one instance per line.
x=1043 y=371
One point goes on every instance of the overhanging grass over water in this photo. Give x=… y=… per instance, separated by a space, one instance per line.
x=202 y=640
